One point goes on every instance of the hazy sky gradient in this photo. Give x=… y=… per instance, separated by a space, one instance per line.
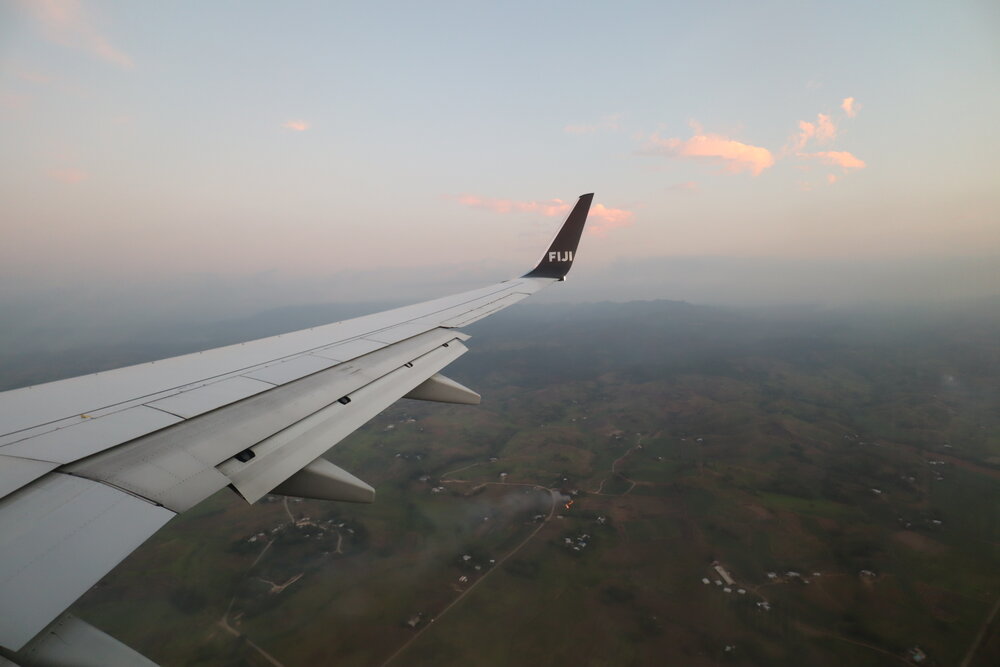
x=269 y=146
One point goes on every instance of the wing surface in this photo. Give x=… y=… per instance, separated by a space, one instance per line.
x=90 y=467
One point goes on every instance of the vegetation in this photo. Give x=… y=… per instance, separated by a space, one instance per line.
x=842 y=467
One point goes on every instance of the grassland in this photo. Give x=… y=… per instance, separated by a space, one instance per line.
x=857 y=452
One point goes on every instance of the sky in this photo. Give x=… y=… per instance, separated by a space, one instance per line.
x=233 y=155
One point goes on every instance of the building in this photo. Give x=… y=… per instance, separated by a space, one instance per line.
x=725 y=575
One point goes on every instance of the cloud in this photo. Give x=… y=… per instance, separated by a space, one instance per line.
x=611 y=122
x=826 y=131
x=68 y=175
x=735 y=156
x=549 y=208
x=603 y=219
x=600 y=221
x=64 y=23
x=296 y=125
x=686 y=186
x=823 y=131
x=836 y=158
x=850 y=107
x=806 y=132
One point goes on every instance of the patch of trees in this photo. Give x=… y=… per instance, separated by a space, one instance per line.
x=244 y=546
x=527 y=569
x=616 y=595
x=187 y=600
x=791 y=485
x=856 y=552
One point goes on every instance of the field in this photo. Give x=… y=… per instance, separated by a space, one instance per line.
x=842 y=468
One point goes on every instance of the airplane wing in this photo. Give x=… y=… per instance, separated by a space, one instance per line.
x=90 y=467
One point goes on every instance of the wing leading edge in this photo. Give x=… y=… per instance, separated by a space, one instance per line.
x=91 y=467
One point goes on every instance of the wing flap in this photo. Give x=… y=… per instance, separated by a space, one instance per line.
x=16 y=472
x=280 y=456
x=69 y=642
x=176 y=467
x=58 y=537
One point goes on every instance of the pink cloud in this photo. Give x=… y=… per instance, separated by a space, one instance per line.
x=806 y=132
x=64 y=23
x=550 y=208
x=603 y=219
x=296 y=125
x=837 y=158
x=600 y=221
x=734 y=155
x=68 y=175
x=686 y=186
x=824 y=130
x=848 y=105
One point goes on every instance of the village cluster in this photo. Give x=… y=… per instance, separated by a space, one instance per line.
x=308 y=528
x=725 y=581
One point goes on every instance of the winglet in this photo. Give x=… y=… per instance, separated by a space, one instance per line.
x=558 y=259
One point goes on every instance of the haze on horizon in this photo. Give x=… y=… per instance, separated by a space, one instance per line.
x=236 y=156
